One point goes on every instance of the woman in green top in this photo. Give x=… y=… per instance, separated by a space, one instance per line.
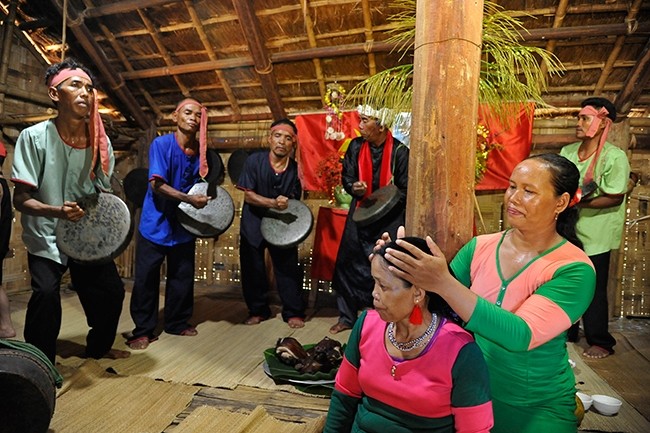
x=527 y=284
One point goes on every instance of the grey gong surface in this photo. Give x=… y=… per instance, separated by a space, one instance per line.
x=376 y=205
x=211 y=220
x=289 y=227
x=101 y=235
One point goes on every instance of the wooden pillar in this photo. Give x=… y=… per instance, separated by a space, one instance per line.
x=443 y=135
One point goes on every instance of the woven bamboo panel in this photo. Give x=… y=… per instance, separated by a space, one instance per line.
x=635 y=251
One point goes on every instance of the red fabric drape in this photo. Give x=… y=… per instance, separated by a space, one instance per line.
x=313 y=148
x=515 y=139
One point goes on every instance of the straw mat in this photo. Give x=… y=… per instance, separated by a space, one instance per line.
x=93 y=400
x=208 y=419
x=627 y=420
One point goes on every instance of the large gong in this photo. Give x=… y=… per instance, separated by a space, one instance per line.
x=377 y=205
x=211 y=220
x=101 y=234
x=27 y=391
x=289 y=227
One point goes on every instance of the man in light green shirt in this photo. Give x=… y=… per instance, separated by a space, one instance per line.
x=604 y=173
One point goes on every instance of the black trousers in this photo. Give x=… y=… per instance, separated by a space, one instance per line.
x=101 y=293
x=179 y=287
x=288 y=276
x=596 y=319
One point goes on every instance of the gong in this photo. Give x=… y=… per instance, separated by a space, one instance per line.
x=27 y=391
x=289 y=227
x=101 y=234
x=211 y=220
x=377 y=205
x=135 y=186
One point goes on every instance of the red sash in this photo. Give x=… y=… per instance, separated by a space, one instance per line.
x=365 y=164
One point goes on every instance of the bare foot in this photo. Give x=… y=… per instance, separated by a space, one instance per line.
x=140 y=343
x=339 y=327
x=7 y=332
x=117 y=354
x=596 y=352
x=296 y=322
x=254 y=320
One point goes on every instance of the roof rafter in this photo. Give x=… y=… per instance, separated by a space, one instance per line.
x=262 y=61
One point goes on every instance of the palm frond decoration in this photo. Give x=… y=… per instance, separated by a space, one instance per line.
x=510 y=71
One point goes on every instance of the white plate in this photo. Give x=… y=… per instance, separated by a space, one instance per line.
x=267 y=370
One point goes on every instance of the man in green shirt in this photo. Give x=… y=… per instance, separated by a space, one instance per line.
x=604 y=173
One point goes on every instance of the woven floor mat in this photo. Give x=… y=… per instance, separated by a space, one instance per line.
x=628 y=419
x=92 y=400
x=208 y=419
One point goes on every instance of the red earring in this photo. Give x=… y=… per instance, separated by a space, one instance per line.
x=416 y=315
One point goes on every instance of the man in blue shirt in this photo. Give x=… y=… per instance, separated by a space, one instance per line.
x=177 y=161
x=269 y=179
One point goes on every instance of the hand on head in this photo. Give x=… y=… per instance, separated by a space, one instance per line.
x=419 y=268
x=385 y=239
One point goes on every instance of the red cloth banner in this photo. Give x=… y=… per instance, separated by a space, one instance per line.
x=313 y=147
x=514 y=140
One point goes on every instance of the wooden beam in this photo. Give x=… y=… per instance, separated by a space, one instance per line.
x=116 y=83
x=309 y=28
x=25 y=95
x=122 y=7
x=162 y=49
x=441 y=162
x=618 y=46
x=584 y=31
x=635 y=82
x=282 y=57
x=127 y=65
x=250 y=27
x=198 y=27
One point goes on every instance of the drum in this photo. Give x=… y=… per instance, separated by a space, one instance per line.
x=287 y=228
x=376 y=205
x=27 y=392
x=211 y=220
x=101 y=235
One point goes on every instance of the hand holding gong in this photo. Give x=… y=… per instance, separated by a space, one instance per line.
x=72 y=211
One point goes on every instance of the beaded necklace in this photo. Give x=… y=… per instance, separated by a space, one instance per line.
x=416 y=343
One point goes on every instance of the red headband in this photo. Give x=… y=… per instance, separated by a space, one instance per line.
x=64 y=74
x=98 y=138
x=286 y=128
x=599 y=116
x=203 y=134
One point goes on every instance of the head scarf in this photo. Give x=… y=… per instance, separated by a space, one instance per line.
x=286 y=128
x=98 y=138
x=600 y=115
x=203 y=134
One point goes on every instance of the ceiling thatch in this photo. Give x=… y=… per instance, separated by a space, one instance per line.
x=250 y=61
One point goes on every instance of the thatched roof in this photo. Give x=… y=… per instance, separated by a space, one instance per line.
x=251 y=61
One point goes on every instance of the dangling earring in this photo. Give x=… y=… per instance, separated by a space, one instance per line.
x=556 y=216
x=416 y=315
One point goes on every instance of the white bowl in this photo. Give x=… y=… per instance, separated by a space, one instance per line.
x=606 y=405
x=585 y=399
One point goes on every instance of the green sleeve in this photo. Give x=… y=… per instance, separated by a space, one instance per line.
x=470 y=378
x=499 y=326
x=460 y=266
x=571 y=288
x=343 y=408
